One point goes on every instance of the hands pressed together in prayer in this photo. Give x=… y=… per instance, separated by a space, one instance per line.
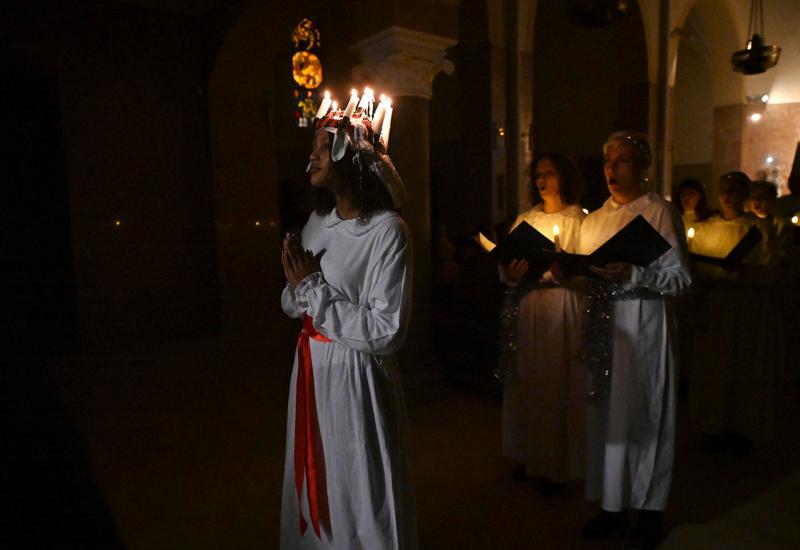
x=297 y=263
x=616 y=272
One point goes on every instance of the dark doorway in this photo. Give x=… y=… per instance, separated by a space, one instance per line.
x=39 y=296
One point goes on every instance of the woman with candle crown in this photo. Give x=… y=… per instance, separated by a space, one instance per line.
x=544 y=390
x=349 y=279
x=631 y=423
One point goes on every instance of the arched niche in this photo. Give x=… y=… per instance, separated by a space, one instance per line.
x=708 y=114
x=460 y=129
x=587 y=83
x=259 y=153
x=693 y=128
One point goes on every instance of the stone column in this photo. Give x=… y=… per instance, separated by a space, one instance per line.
x=403 y=63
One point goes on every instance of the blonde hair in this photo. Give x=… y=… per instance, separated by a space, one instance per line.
x=637 y=140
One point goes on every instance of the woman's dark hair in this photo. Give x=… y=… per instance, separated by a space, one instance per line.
x=570 y=178
x=701 y=211
x=738 y=181
x=764 y=185
x=360 y=185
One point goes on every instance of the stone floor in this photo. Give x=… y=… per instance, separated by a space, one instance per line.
x=179 y=445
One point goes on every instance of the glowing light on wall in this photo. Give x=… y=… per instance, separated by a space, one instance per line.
x=306 y=69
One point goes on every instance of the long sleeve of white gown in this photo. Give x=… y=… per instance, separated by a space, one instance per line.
x=669 y=274
x=292 y=305
x=378 y=325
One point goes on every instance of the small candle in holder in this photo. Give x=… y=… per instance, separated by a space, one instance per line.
x=556 y=239
x=351 y=106
x=324 y=106
x=387 y=124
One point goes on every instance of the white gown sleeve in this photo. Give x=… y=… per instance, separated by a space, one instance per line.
x=377 y=326
x=293 y=305
x=670 y=273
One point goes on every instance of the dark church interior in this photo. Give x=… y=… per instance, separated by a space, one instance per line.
x=154 y=155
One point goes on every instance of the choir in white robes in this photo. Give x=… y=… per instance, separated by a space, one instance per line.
x=631 y=431
x=544 y=395
x=737 y=362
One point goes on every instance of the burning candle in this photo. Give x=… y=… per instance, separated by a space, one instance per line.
x=377 y=119
x=324 y=106
x=351 y=106
x=387 y=124
x=690 y=233
x=556 y=239
x=795 y=220
x=366 y=101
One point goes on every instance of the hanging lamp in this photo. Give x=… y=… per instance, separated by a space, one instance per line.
x=757 y=57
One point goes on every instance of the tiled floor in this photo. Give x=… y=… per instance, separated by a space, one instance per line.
x=179 y=445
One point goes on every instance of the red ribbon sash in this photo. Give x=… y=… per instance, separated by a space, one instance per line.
x=309 y=456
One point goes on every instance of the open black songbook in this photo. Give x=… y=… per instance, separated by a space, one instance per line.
x=637 y=243
x=738 y=253
x=523 y=243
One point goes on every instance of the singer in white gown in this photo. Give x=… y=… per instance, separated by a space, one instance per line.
x=544 y=419
x=631 y=428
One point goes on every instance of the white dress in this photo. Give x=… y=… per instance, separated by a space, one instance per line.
x=544 y=396
x=736 y=365
x=631 y=431
x=361 y=302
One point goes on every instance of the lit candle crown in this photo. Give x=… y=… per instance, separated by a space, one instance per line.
x=361 y=117
x=363 y=128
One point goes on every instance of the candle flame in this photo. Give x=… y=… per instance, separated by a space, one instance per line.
x=795 y=220
x=354 y=92
x=335 y=105
x=327 y=94
x=389 y=101
x=383 y=97
x=555 y=230
x=690 y=233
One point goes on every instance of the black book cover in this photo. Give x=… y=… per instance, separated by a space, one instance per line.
x=738 y=253
x=523 y=243
x=638 y=243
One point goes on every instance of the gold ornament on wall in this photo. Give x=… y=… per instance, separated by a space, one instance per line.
x=306 y=36
x=307 y=70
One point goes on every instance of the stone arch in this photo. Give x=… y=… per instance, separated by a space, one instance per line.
x=707 y=108
x=582 y=74
x=258 y=152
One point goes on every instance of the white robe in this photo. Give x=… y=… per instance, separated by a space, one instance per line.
x=544 y=411
x=362 y=303
x=631 y=432
x=737 y=363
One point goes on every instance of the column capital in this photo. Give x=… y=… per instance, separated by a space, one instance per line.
x=403 y=61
